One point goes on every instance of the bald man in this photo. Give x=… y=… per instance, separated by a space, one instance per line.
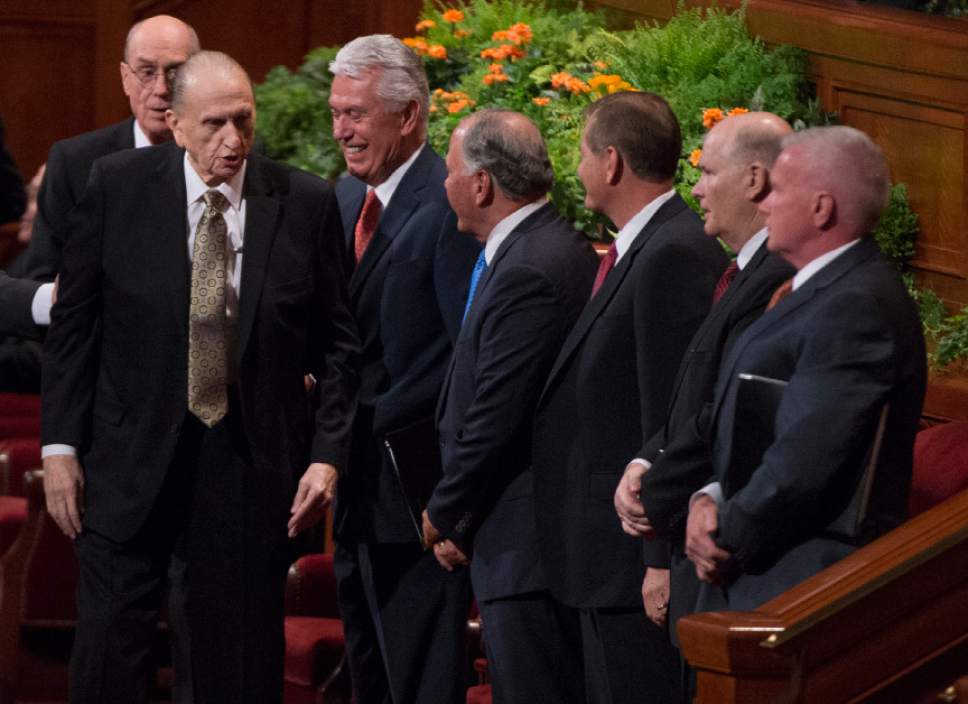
x=199 y=285
x=153 y=49
x=845 y=338
x=737 y=156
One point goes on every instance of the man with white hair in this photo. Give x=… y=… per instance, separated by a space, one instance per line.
x=404 y=616
x=844 y=337
x=200 y=283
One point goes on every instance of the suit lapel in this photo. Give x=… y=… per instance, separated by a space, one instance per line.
x=596 y=306
x=123 y=136
x=168 y=252
x=261 y=213
x=857 y=254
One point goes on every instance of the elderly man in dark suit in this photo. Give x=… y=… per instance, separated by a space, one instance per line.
x=199 y=285
x=609 y=389
x=844 y=336
x=404 y=617
x=153 y=49
x=736 y=158
x=532 y=280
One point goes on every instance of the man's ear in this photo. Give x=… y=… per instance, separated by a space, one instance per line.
x=483 y=189
x=756 y=182
x=124 y=83
x=171 y=119
x=824 y=213
x=410 y=118
x=615 y=167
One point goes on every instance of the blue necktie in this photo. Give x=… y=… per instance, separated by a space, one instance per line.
x=480 y=266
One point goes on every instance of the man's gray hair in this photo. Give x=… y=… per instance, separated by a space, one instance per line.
x=848 y=161
x=509 y=147
x=401 y=78
x=203 y=63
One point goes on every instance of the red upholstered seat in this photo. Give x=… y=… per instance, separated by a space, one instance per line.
x=314 y=647
x=13 y=514
x=19 y=415
x=23 y=455
x=479 y=694
x=940 y=465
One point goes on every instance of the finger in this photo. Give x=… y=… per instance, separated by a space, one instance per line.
x=302 y=517
x=438 y=550
x=73 y=514
x=300 y=496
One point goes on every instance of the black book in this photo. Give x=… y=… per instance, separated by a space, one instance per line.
x=415 y=457
x=757 y=402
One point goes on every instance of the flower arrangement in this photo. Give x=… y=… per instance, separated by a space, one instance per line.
x=549 y=62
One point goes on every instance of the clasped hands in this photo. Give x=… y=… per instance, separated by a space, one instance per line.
x=711 y=561
x=446 y=551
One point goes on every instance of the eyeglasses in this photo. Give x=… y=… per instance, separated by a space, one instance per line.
x=147 y=75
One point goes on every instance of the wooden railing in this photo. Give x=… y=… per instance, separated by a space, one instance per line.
x=889 y=624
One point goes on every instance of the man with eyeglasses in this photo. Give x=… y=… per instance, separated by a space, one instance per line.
x=154 y=48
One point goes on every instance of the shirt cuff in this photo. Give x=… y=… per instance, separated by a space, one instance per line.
x=640 y=461
x=51 y=450
x=714 y=491
x=40 y=306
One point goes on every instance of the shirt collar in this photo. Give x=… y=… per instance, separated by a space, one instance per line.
x=506 y=226
x=195 y=187
x=751 y=247
x=819 y=263
x=140 y=138
x=626 y=236
x=385 y=190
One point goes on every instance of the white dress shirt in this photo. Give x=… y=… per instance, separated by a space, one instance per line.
x=626 y=236
x=506 y=226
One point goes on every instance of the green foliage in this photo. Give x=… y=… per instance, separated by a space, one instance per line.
x=952 y=343
x=898 y=229
x=293 y=118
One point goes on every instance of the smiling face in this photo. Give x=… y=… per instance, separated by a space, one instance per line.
x=214 y=124
x=157 y=46
x=374 y=139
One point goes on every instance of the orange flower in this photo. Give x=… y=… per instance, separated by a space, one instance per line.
x=437 y=51
x=518 y=33
x=433 y=108
x=459 y=105
x=559 y=79
x=694 y=157
x=425 y=24
x=495 y=78
x=710 y=116
x=453 y=16
x=600 y=65
x=461 y=33
x=495 y=68
x=500 y=35
x=737 y=111
x=541 y=102
x=612 y=83
x=418 y=44
x=576 y=86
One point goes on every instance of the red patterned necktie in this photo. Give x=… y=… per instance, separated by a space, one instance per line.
x=366 y=225
x=782 y=291
x=604 y=266
x=725 y=280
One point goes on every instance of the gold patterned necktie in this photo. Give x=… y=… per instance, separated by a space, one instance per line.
x=207 y=395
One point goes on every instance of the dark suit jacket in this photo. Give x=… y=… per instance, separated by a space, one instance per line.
x=115 y=369
x=681 y=462
x=607 y=394
x=407 y=295
x=13 y=198
x=68 y=167
x=524 y=305
x=848 y=341
x=16 y=296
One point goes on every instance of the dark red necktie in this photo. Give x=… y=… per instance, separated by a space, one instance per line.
x=725 y=280
x=366 y=225
x=782 y=291
x=604 y=266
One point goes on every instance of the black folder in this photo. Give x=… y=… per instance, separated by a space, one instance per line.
x=757 y=402
x=415 y=457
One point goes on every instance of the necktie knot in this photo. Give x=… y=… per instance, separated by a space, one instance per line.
x=366 y=225
x=215 y=199
x=604 y=266
x=725 y=280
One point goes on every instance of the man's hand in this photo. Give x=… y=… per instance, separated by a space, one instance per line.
x=655 y=595
x=316 y=491
x=628 y=505
x=431 y=535
x=710 y=560
x=64 y=490
x=449 y=555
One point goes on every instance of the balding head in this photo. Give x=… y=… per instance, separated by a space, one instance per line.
x=736 y=158
x=213 y=115
x=155 y=47
x=830 y=186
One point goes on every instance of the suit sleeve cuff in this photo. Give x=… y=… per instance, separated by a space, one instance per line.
x=55 y=449
x=40 y=306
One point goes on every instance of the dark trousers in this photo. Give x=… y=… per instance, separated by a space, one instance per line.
x=403 y=614
x=627 y=658
x=224 y=555
x=533 y=647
